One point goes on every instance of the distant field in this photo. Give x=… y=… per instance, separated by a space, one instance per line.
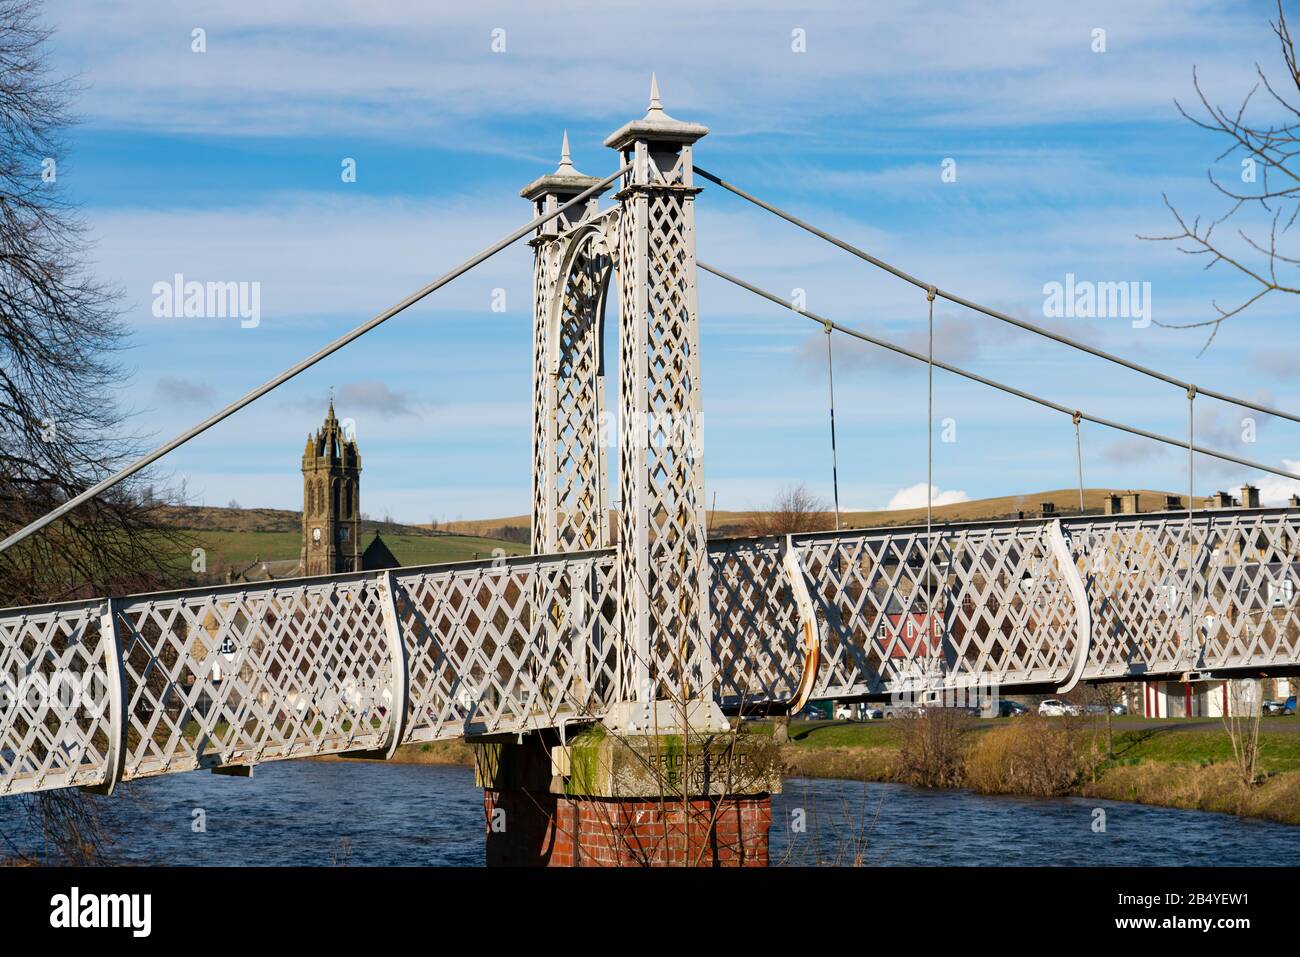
x=1006 y=506
x=241 y=536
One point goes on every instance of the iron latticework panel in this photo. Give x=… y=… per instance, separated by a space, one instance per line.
x=991 y=605
x=247 y=675
x=1171 y=596
x=574 y=505
x=664 y=569
x=509 y=646
x=54 y=722
x=546 y=268
x=244 y=674
x=996 y=603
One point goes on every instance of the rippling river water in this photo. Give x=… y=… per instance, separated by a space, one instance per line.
x=320 y=813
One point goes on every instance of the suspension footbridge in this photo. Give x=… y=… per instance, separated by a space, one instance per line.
x=611 y=615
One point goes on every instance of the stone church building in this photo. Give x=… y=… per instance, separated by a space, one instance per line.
x=331 y=500
x=331 y=513
x=331 y=506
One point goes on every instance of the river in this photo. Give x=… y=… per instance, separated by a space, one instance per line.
x=322 y=813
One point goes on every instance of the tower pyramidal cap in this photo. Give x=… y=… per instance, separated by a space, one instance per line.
x=655 y=125
x=565 y=182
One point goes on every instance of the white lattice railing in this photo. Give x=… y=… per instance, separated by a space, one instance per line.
x=1169 y=596
x=97 y=692
x=992 y=604
x=1005 y=606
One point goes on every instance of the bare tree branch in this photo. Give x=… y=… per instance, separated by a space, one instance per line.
x=60 y=427
x=1270 y=151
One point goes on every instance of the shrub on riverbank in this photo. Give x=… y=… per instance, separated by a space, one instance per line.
x=930 y=754
x=1029 y=755
x=845 y=763
x=1212 y=787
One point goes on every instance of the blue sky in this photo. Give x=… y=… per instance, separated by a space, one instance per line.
x=225 y=166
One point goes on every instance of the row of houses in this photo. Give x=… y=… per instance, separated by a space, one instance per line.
x=1209 y=699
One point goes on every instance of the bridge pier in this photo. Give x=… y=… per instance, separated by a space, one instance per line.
x=624 y=799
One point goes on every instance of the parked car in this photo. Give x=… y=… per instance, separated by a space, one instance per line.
x=1010 y=709
x=1119 y=709
x=1055 y=708
x=1280 y=707
x=872 y=714
x=844 y=712
x=902 y=710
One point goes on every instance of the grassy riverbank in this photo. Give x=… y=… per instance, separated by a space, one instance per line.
x=432 y=752
x=1166 y=763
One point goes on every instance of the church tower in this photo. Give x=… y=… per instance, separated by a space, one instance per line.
x=331 y=501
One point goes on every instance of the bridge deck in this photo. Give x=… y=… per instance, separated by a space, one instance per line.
x=95 y=692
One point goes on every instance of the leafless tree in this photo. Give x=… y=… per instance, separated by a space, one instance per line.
x=60 y=428
x=1106 y=695
x=1270 y=190
x=1241 y=720
x=795 y=510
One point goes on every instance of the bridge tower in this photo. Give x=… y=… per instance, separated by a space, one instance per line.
x=569 y=510
x=663 y=554
x=657 y=781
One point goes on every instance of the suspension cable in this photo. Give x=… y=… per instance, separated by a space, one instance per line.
x=1188 y=534
x=992 y=313
x=1191 y=455
x=306 y=363
x=992 y=383
x=929 y=418
x=835 y=468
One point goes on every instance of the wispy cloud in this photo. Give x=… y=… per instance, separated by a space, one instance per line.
x=185 y=391
x=375 y=396
x=411 y=69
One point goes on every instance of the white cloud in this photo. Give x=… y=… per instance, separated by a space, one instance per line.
x=405 y=68
x=1275 y=490
x=913 y=496
x=316 y=253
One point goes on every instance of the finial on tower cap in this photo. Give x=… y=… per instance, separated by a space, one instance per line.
x=655 y=125
x=566 y=163
x=565 y=181
x=656 y=105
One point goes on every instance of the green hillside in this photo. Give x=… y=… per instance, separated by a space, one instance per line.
x=236 y=548
x=237 y=537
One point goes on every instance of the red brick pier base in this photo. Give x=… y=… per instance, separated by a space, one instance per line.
x=551 y=830
x=610 y=800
